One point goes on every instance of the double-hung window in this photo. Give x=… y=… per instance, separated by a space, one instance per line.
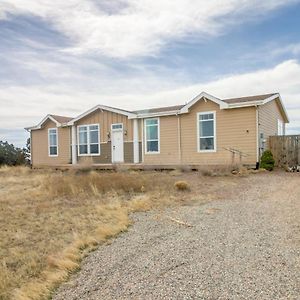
x=206 y=132
x=52 y=142
x=89 y=139
x=152 y=135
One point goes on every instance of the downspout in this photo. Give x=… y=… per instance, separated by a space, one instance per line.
x=257 y=138
x=136 y=151
x=74 y=144
x=179 y=138
x=31 y=160
x=142 y=121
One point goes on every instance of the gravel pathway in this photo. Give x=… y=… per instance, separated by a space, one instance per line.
x=244 y=247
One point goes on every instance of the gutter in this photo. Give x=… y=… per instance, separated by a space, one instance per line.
x=150 y=115
x=246 y=104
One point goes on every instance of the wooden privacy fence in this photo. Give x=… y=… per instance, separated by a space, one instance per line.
x=286 y=150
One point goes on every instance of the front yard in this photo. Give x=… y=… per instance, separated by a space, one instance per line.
x=242 y=245
x=51 y=220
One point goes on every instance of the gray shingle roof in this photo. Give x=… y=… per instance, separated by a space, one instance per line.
x=61 y=119
x=229 y=101
x=248 y=98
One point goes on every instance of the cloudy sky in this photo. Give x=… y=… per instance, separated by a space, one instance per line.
x=63 y=57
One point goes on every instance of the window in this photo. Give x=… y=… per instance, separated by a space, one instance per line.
x=152 y=135
x=206 y=132
x=117 y=126
x=280 y=130
x=52 y=142
x=88 y=139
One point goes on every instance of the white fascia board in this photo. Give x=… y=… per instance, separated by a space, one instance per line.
x=39 y=126
x=245 y=104
x=65 y=125
x=261 y=102
x=158 y=114
x=277 y=96
x=271 y=98
x=102 y=107
x=205 y=96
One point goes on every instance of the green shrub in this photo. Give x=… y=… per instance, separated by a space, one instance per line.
x=267 y=161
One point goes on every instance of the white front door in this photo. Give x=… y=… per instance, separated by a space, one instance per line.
x=117 y=143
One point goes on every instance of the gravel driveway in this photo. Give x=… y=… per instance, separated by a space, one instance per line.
x=244 y=246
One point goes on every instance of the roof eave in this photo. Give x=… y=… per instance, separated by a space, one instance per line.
x=277 y=96
x=261 y=102
x=39 y=126
x=245 y=104
x=30 y=128
x=158 y=114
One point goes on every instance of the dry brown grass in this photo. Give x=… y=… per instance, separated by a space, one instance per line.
x=221 y=170
x=182 y=185
x=50 y=220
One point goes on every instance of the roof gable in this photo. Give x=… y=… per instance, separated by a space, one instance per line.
x=129 y=114
x=278 y=98
x=61 y=119
x=58 y=120
x=203 y=96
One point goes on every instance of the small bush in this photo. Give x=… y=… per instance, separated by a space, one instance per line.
x=267 y=161
x=181 y=185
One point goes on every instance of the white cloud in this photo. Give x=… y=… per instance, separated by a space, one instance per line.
x=130 y=28
x=287 y=49
x=24 y=106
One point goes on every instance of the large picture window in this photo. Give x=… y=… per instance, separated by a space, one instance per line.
x=89 y=139
x=52 y=142
x=206 y=132
x=152 y=135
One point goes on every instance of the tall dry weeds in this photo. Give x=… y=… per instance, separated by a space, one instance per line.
x=50 y=220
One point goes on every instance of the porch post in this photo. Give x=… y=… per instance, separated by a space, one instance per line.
x=136 y=152
x=74 y=148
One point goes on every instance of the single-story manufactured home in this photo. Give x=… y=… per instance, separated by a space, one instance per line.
x=205 y=131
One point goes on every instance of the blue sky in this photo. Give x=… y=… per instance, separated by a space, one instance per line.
x=63 y=58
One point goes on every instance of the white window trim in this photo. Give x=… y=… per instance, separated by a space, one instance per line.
x=198 y=132
x=52 y=155
x=88 y=140
x=117 y=129
x=281 y=124
x=158 y=136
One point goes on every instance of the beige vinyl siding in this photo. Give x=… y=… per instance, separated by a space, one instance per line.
x=269 y=114
x=105 y=119
x=168 y=143
x=40 y=154
x=235 y=128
